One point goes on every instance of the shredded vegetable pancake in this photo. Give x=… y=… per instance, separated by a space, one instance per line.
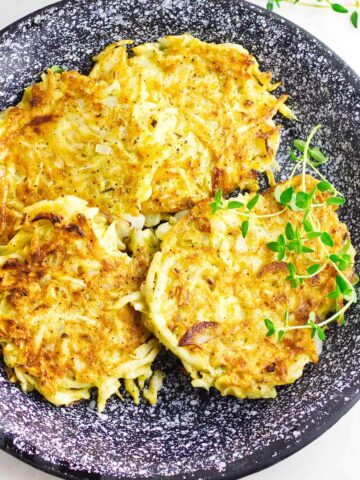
x=69 y=301
x=89 y=163
x=153 y=132
x=209 y=290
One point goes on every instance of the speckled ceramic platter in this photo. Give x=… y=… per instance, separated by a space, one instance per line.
x=192 y=433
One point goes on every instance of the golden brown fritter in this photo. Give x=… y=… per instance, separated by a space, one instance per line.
x=153 y=132
x=210 y=289
x=67 y=320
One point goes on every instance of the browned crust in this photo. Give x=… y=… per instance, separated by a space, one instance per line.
x=52 y=217
x=273 y=267
x=189 y=338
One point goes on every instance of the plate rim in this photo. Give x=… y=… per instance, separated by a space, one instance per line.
x=260 y=460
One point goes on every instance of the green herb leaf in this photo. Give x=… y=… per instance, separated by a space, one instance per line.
x=270 y=327
x=292 y=245
x=321 y=333
x=343 y=285
x=317 y=155
x=289 y=231
x=299 y=145
x=244 y=228
x=292 y=269
x=307 y=226
x=313 y=326
x=218 y=195
x=343 y=260
x=234 y=204
x=217 y=204
x=251 y=204
x=312 y=235
x=334 y=293
x=326 y=239
x=302 y=200
x=335 y=201
x=355 y=19
x=324 y=186
x=215 y=207
x=57 y=69
x=313 y=268
x=306 y=249
x=293 y=156
x=273 y=246
x=286 y=196
x=281 y=333
x=270 y=6
x=339 y=8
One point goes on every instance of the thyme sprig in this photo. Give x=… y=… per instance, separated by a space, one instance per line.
x=295 y=239
x=336 y=7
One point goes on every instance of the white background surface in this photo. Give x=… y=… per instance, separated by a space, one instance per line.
x=334 y=456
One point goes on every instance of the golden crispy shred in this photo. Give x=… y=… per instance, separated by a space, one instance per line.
x=153 y=132
x=214 y=276
x=69 y=305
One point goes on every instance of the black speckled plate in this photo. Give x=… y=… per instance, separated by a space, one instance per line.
x=192 y=433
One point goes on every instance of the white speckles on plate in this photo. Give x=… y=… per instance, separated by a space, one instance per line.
x=192 y=433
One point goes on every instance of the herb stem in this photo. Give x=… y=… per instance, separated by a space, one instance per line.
x=251 y=215
x=325 y=322
x=313 y=275
x=324 y=178
x=305 y=155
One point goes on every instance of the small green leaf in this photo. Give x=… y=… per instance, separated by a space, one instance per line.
x=334 y=293
x=57 y=69
x=339 y=8
x=244 y=228
x=218 y=195
x=293 y=156
x=317 y=155
x=324 y=186
x=289 y=231
x=299 y=145
x=273 y=246
x=326 y=239
x=307 y=226
x=302 y=200
x=281 y=333
x=313 y=268
x=312 y=235
x=270 y=327
x=355 y=19
x=270 y=6
x=251 y=204
x=343 y=285
x=292 y=245
x=335 y=201
x=292 y=269
x=215 y=206
x=321 y=333
x=234 y=204
x=311 y=322
x=281 y=240
x=343 y=261
x=281 y=254
x=307 y=249
x=286 y=195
